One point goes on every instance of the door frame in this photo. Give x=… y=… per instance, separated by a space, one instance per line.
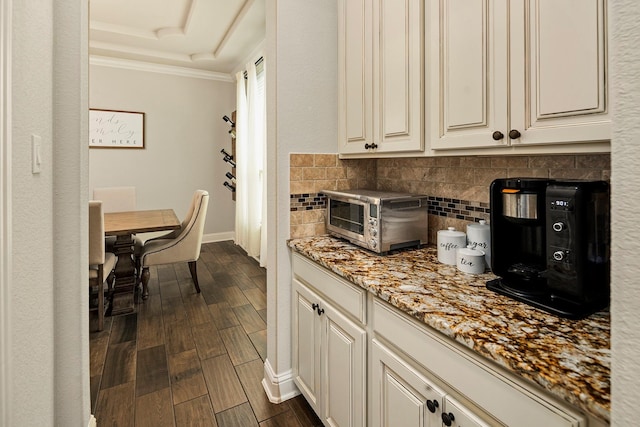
x=5 y=208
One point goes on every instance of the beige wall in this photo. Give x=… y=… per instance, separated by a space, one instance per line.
x=309 y=175
x=184 y=133
x=465 y=178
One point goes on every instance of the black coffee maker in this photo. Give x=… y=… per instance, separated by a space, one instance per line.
x=550 y=243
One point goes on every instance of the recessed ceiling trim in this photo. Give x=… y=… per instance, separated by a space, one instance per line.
x=234 y=25
x=123 y=30
x=207 y=56
x=140 y=51
x=177 y=31
x=169 y=31
x=128 y=64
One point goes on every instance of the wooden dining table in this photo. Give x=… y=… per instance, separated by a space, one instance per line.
x=124 y=225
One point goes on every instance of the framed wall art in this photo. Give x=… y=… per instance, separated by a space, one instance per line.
x=116 y=129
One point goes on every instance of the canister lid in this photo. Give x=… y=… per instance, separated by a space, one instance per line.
x=482 y=224
x=451 y=232
x=470 y=251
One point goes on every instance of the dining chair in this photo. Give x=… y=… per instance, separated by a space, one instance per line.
x=181 y=245
x=115 y=199
x=138 y=243
x=101 y=262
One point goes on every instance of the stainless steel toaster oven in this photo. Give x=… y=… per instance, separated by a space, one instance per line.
x=378 y=220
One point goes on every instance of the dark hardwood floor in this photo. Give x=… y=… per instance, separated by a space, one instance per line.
x=188 y=359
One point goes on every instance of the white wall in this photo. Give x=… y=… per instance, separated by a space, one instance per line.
x=184 y=133
x=302 y=101
x=44 y=339
x=625 y=179
x=31 y=287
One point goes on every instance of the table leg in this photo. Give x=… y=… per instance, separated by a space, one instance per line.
x=125 y=272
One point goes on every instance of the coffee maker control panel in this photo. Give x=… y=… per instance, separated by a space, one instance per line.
x=576 y=221
x=560 y=217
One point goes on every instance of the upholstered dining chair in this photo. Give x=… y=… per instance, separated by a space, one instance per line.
x=139 y=242
x=181 y=245
x=115 y=199
x=101 y=263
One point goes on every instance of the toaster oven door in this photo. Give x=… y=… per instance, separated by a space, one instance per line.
x=348 y=218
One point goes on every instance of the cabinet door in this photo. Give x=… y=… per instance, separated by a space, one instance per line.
x=344 y=367
x=355 y=116
x=467 y=62
x=559 y=71
x=459 y=415
x=398 y=90
x=400 y=394
x=306 y=343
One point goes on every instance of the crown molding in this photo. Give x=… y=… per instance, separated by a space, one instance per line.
x=128 y=64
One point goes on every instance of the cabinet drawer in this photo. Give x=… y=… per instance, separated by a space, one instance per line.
x=349 y=297
x=505 y=397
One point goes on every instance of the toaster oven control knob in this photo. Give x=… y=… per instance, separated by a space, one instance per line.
x=374 y=232
x=558 y=226
x=374 y=243
x=558 y=255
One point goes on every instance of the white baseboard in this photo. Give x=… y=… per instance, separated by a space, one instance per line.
x=279 y=387
x=218 y=237
x=92 y=422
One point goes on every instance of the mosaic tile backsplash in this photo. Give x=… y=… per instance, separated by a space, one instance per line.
x=458 y=187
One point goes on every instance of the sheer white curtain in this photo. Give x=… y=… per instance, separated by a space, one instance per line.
x=251 y=223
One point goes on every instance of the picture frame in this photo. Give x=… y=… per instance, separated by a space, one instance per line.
x=116 y=129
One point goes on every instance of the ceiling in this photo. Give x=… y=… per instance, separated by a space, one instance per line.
x=209 y=35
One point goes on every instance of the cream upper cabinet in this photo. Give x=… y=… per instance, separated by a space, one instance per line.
x=524 y=73
x=381 y=76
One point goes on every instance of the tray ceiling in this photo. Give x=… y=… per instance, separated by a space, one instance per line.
x=210 y=35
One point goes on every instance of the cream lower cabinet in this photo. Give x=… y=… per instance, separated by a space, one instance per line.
x=518 y=75
x=361 y=362
x=401 y=396
x=329 y=345
x=476 y=392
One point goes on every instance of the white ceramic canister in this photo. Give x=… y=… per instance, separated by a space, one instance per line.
x=470 y=260
x=448 y=241
x=479 y=236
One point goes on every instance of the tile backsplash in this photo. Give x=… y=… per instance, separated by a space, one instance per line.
x=458 y=186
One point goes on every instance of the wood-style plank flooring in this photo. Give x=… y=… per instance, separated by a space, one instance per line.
x=188 y=359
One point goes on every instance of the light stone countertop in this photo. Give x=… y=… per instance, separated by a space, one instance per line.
x=569 y=358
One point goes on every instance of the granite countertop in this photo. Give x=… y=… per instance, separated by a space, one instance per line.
x=569 y=358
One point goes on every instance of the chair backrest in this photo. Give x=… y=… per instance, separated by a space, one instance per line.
x=194 y=229
x=116 y=199
x=185 y=246
x=189 y=216
x=96 y=233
